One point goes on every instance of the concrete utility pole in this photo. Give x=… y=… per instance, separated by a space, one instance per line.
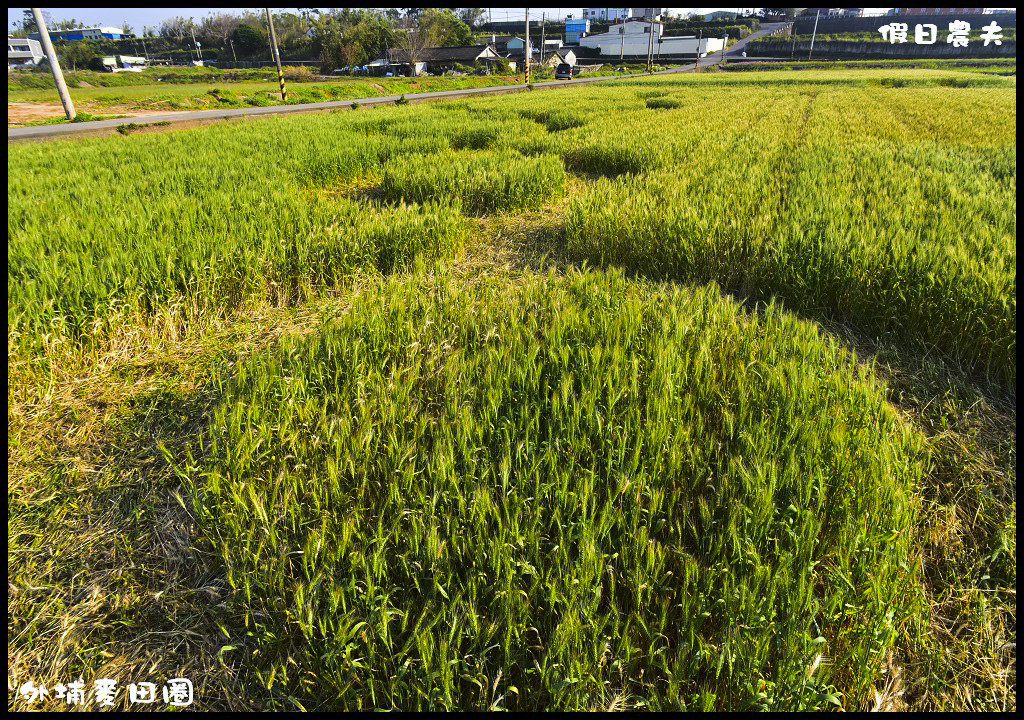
x=199 y=52
x=696 y=62
x=725 y=42
x=543 y=18
x=58 y=76
x=814 y=34
x=792 y=50
x=232 y=43
x=622 y=37
x=650 y=45
x=277 y=55
x=526 y=47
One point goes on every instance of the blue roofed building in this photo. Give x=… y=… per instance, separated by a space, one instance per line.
x=96 y=33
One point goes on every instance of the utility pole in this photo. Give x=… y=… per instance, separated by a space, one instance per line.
x=543 y=19
x=814 y=34
x=725 y=41
x=696 y=61
x=622 y=37
x=58 y=76
x=792 y=31
x=144 y=50
x=277 y=55
x=650 y=44
x=231 y=41
x=198 y=51
x=526 y=47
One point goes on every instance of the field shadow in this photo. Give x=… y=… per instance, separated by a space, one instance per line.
x=133 y=590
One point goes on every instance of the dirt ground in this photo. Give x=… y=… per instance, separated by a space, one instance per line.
x=20 y=113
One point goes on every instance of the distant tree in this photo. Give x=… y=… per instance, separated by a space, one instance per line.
x=250 y=41
x=348 y=36
x=444 y=28
x=77 y=54
x=127 y=29
x=216 y=29
x=293 y=35
x=176 y=28
x=414 y=38
x=27 y=24
x=71 y=24
x=471 y=16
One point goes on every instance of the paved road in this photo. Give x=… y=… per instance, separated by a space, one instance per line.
x=105 y=127
x=736 y=51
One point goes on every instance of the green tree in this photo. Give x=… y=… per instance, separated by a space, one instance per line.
x=472 y=16
x=293 y=36
x=350 y=36
x=444 y=28
x=215 y=30
x=78 y=54
x=22 y=28
x=251 y=41
x=176 y=28
x=71 y=24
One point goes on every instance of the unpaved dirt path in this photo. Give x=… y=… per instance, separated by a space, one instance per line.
x=20 y=113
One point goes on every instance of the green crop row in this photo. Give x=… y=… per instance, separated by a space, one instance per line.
x=473 y=487
x=547 y=494
x=482 y=181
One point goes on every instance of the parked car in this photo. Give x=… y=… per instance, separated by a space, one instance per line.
x=565 y=71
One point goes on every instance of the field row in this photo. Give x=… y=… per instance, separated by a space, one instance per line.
x=732 y=182
x=643 y=480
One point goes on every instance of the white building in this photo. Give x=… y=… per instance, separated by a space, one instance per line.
x=633 y=38
x=23 y=51
x=605 y=14
x=646 y=13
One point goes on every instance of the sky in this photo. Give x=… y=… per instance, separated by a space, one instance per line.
x=138 y=17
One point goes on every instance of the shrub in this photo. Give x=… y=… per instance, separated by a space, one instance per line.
x=298 y=73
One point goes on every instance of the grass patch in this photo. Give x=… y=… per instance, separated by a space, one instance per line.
x=663 y=103
x=482 y=182
x=611 y=160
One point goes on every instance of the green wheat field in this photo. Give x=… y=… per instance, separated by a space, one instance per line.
x=674 y=393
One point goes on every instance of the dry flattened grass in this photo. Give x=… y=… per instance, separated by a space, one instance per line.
x=105 y=577
x=964 y=655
